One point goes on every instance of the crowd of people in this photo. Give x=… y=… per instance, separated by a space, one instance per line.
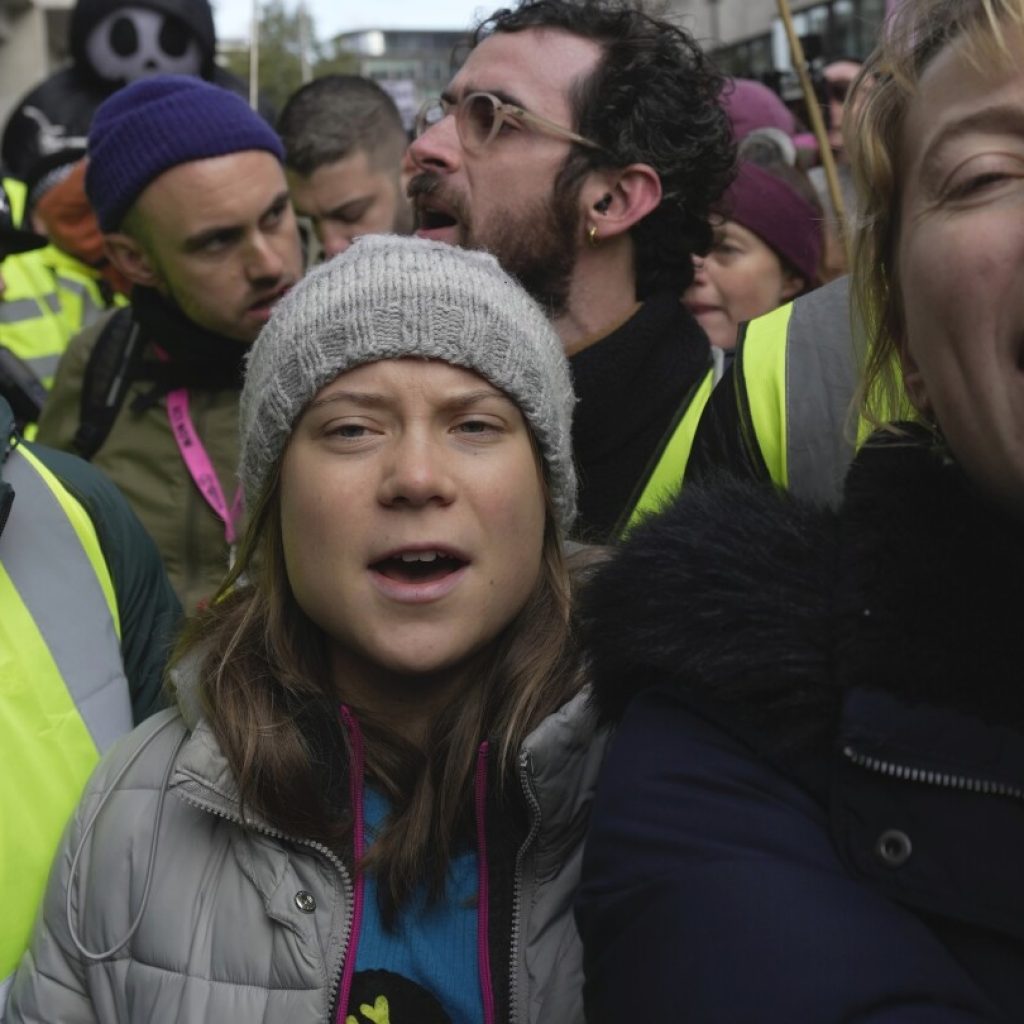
x=521 y=570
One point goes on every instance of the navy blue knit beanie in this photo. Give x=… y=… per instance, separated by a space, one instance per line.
x=156 y=123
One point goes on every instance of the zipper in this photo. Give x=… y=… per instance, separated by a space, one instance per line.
x=926 y=776
x=355 y=918
x=531 y=799
x=324 y=851
x=483 y=901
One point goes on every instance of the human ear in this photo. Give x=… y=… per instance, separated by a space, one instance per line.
x=616 y=200
x=129 y=256
x=792 y=286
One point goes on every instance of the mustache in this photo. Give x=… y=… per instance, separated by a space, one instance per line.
x=423 y=184
x=427 y=183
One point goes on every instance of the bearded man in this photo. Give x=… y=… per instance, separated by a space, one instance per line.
x=585 y=149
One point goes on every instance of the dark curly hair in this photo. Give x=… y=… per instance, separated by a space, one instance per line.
x=653 y=99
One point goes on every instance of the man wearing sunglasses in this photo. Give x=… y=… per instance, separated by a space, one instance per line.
x=584 y=145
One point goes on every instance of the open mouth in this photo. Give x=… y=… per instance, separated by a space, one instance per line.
x=702 y=308
x=429 y=219
x=419 y=566
x=269 y=301
x=436 y=210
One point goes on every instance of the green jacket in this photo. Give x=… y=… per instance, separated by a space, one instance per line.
x=141 y=456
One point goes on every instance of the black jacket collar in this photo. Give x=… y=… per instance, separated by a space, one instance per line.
x=630 y=385
x=193 y=356
x=765 y=612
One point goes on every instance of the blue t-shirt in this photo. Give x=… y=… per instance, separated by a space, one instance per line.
x=434 y=947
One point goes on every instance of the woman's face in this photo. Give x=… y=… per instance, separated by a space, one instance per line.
x=961 y=264
x=412 y=516
x=740 y=278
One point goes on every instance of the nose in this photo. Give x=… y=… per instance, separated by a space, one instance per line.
x=438 y=148
x=264 y=262
x=417 y=473
x=334 y=241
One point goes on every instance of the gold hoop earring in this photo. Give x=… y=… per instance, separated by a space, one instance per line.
x=592 y=238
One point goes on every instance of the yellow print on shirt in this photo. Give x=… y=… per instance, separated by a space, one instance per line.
x=379 y=1013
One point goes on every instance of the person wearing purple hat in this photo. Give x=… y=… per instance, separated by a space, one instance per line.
x=189 y=190
x=766 y=252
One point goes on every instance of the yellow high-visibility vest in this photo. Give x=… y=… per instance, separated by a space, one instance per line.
x=665 y=479
x=64 y=697
x=31 y=325
x=79 y=293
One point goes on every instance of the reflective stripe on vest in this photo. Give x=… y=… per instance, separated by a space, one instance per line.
x=823 y=362
x=63 y=695
x=798 y=370
x=82 y=300
x=30 y=323
x=667 y=476
x=801 y=366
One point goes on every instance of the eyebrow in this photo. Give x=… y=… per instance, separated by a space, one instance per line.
x=198 y=240
x=502 y=94
x=1007 y=119
x=374 y=400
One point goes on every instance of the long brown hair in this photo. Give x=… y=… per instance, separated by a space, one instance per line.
x=269 y=697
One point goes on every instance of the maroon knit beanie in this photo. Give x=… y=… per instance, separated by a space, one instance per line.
x=751 y=105
x=782 y=218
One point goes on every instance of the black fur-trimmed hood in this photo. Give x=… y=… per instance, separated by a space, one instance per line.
x=766 y=610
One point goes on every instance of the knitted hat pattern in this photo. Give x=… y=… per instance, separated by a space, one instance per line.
x=782 y=218
x=391 y=298
x=157 y=123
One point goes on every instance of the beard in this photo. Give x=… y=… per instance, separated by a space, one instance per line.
x=537 y=246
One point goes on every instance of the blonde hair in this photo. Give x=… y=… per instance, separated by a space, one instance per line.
x=914 y=34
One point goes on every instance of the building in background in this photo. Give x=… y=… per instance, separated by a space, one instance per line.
x=748 y=39
x=411 y=64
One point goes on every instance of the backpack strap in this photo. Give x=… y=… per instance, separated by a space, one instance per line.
x=22 y=389
x=108 y=373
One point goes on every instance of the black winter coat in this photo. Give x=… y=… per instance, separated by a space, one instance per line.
x=813 y=809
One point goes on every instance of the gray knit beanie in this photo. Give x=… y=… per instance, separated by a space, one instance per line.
x=387 y=298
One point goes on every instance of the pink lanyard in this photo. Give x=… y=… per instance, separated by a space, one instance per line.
x=199 y=466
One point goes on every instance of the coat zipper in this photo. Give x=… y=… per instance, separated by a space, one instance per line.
x=531 y=798
x=355 y=918
x=483 y=902
x=906 y=773
x=326 y=852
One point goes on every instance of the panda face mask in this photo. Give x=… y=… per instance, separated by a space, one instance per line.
x=133 y=42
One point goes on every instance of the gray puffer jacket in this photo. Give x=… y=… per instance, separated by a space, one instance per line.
x=241 y=923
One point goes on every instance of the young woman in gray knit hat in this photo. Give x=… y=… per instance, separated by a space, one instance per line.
x=370 y=800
